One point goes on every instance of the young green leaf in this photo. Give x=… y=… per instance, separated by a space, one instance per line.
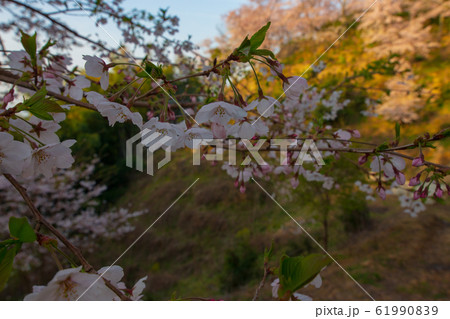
x=36 y=98
x=29 y=44
x=296 y=272
x=47 y=105
x=41 y=115
x=264 y=52
x=258 y=38
x=397 y=132
x=6 y=264
x=19 y=228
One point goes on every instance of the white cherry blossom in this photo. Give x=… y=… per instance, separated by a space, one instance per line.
x=43 y=131
x=76 y=86
x=295 y=87
x=45 y=159
x=13 y=154
x=391 y=165
x=71 y=284
x=114 y=112
x=97 y=68
x=19 y=61
x=220 y=112
x=265 y=106
x=247 y=130
x=174 y=131
x=196 y=133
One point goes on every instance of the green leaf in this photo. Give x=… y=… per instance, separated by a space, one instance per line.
x=258 y=38
x=397 y=132
x=29 y=44
x=268 y=252
x=47 y=105
x=264 y=52
x=39 y=106
x=6 y=264
x=36 y=98
x=44 y=50
x=244 y=44
x=41 y=115
x=19 y=228
x=382 y=147
x=7 y=243
x=296 y=272
x=151 y=70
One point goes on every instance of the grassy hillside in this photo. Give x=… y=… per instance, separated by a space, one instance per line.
x=210 y=243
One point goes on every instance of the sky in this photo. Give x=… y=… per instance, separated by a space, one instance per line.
x=200 y=19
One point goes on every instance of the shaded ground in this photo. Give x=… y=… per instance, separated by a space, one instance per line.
x=210 y=243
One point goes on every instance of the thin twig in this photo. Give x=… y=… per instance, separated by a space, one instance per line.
x=263 y=281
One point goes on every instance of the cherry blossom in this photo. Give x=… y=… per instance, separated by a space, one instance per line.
x=13 y=154
x=295 y=87
x=265 y=106
x=195 y=133
x=219 y=112
x=71 y=284
x=97 y=68
x=75 y=87
x=114 y=112
x=20 y=61
x=218 y=130
x=245 y=129
x=174 y=131
x=45 y=159
x=391 y=166
x=114 y=274
x=43 y=131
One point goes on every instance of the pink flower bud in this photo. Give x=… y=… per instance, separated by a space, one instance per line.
x=438 y=193
x=418 y=161
x=294 y=182
x=242 y=189
x=415 y=180
x=416 y=195
x=400 y=178
x=363 y=159
x=9 y=97
x=381 y=192
x=171 y=115
x=355 y=133
x=424 y=194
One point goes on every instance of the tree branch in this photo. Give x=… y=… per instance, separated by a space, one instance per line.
x=8 y=77
x=75 y=250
